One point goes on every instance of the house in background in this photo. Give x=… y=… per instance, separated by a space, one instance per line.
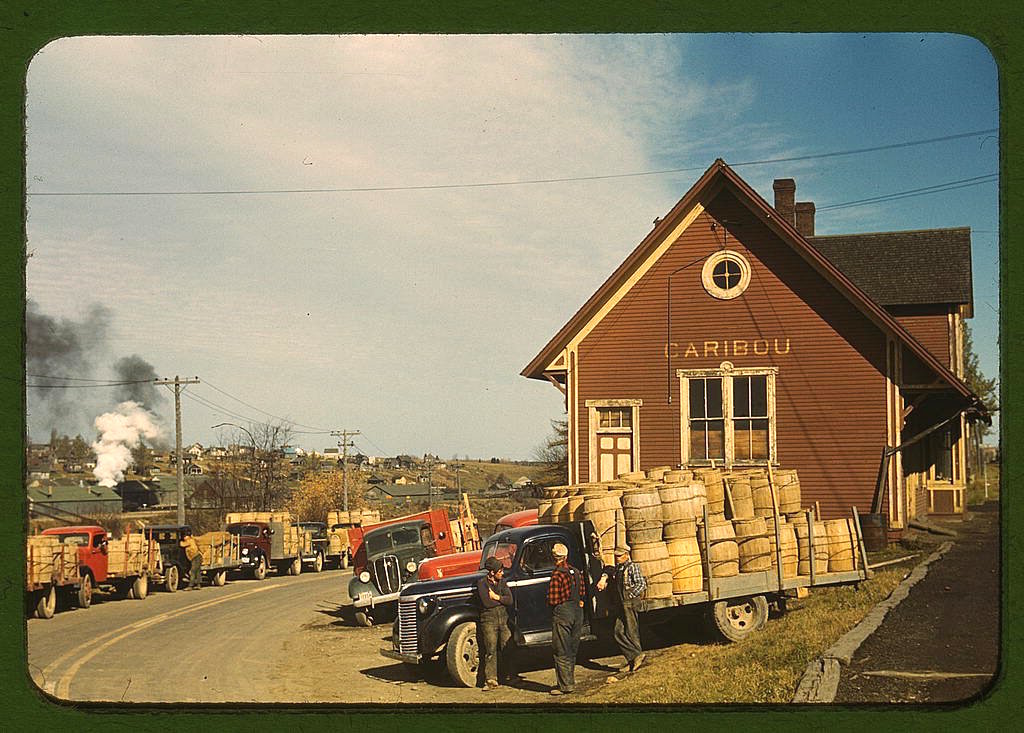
x=734 y=336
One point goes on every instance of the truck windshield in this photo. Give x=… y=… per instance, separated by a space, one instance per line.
x=504 y=551
x=383 y=541
x=74 y=539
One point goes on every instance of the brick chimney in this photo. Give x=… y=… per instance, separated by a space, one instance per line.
x=785 y=195
x=805 y=218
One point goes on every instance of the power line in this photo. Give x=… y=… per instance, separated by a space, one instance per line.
x=937 y=188
x=85 y=386
x=268 y=414
x=84 y=379
x=522 y=182
x=227 y=411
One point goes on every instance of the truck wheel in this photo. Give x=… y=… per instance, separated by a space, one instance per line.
x=140 y=588
x=85 y=592
x=462 y=655
x=363 y=618
x=318 y=563
x=47 y=603
x=171 y=579
x=343 y=562
x=261 y=570
x=737 y=618
x=220 y=578
x=296 y=567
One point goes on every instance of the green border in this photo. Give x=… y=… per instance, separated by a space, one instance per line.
x=25 y=27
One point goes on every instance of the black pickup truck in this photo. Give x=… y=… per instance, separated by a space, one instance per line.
x=437 y=618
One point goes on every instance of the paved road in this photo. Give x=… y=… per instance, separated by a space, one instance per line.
x=213 y=645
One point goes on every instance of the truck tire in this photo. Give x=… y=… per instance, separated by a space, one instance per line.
x=737 y=618
x=296 y=567
x=220 y=578
x=47 y=603
x=318 y=563
x=364 y=618
x=85 y=591
x=261 y=569
x=462 y=656
x=140 y=588
x=171 y=579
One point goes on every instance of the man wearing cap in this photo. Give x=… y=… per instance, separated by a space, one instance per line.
x=566 y=594
x=492 y=629
x=629 y=586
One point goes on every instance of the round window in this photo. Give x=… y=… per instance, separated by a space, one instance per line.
x=726 y=274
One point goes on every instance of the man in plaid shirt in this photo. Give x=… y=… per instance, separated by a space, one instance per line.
x=566 y=594
x=630 y=586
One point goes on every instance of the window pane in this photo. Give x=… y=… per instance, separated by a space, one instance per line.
x=698 y=437
x=714 y=403
x=625 y=417
x=759 y=439
x=696 y=398
x=759 y=396
x=716 y=439
x=741 y=396
x=741 y=440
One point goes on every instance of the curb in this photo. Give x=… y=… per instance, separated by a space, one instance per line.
x=820 y=680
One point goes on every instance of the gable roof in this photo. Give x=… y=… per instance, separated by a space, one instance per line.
x=905 y=268
x=716 y=178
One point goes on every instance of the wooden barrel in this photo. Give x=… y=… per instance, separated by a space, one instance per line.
x=787 y=488
x=558 y=514
x=803 y=548
x=723 y=554
x=687 y=570
x=603 y=511
x=574 y=509
x=679 y=529
x=658 y=472
x=789 y=550
x=544 y=511
x=761 y=494
x=668 y=493
x=633 y=476
x=715 y=490
x=641 y=509
x=873 y=531
x=699 y=500
x=841 y=555
x=741 y=505
x=654 y=561
x=752 y=545
x=678 y=476
x=769 y=528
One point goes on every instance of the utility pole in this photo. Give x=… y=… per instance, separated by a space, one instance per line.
x=177 y=384
x=344 y=444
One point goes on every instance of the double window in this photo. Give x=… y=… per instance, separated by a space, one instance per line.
x=728 y=415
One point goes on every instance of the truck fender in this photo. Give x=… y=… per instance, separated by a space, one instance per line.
x=436 y=631
x=355 y=586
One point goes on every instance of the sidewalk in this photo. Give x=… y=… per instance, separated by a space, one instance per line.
x=941 y=644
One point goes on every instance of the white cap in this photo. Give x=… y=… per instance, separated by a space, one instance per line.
x=560 y=550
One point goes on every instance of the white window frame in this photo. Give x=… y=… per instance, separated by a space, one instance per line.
x=594 y=429
x=726 y=371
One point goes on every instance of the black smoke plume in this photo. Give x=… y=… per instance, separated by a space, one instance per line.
x=135 y=369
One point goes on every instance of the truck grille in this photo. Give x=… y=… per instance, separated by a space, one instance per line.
x=387 y=574
x=407 y=637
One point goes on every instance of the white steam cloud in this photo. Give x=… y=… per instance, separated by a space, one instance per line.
x=120 y=431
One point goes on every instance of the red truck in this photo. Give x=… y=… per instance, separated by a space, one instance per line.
x=387 y=554
x=462 y=563
x=123 y=565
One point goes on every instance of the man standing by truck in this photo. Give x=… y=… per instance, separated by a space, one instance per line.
x=565 y=596
x=628 y=586
x=193 y=555
x=492 y=628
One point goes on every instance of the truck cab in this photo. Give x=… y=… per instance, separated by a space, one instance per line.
x=387 y=558
x=91 y=543
x=255 y=541
x=320 y=544
x=461 y=563
x=437 y=618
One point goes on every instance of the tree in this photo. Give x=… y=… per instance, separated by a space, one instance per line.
x=553 y=453
x=981 y=385
x=319 y=493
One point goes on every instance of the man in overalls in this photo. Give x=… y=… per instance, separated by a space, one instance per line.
x=566 y=594
x=492 y=630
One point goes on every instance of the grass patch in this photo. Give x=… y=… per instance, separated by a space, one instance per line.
x=764 y=668
x=976 y=488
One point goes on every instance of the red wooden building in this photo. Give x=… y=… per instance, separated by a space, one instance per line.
x=732 y=335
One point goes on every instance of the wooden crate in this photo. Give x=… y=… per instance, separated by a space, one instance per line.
x=43 y=558
x=218 y=549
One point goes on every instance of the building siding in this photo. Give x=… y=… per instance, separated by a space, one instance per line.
x=830 y=389
x=930 y=326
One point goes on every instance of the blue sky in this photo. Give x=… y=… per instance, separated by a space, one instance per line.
x=408 y=314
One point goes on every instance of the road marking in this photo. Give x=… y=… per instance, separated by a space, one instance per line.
x=61 y=689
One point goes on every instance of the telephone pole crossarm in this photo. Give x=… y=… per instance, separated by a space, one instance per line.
x=344 y=444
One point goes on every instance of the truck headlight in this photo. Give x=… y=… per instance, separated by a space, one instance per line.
x=245 y=550
x=410 y=566
x=425 y=606
x=364 y=577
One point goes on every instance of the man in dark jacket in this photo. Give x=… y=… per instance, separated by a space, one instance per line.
x=566 y=594
x=492 y=629
x=628 y=586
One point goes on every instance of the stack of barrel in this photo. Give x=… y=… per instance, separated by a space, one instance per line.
x=660 y=514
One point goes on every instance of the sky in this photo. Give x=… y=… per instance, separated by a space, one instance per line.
x=406 y=305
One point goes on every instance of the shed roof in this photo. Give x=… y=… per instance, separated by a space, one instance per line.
x=917 y=267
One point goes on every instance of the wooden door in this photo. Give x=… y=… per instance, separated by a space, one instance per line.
x=614 y=455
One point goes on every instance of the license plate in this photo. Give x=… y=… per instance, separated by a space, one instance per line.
x=364 y=595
